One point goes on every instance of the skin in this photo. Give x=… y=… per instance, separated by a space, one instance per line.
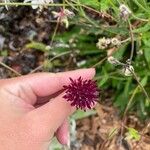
x=32 y=110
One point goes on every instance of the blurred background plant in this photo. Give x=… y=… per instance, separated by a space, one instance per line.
x=111 y=35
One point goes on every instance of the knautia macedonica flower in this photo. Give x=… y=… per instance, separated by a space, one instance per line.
x=81 y=93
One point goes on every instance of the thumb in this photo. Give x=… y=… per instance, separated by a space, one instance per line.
x=47 y=119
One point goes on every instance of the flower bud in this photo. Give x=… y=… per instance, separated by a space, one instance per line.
x=125 y=12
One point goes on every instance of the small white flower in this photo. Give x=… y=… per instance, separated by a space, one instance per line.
x=140 y=52
x=115 y=42
x=40 y=2
x=125 y=12
x=79 y=64
x=113 y=60
x=127 y=71
x=103 y=43
x=108 y=41
x=69 y=13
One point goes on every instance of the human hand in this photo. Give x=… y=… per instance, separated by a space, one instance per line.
x=23 y=125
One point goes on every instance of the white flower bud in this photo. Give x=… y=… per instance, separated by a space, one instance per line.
x=103 y=43
x=69 y=13
x=125 y=12
x=127 y=71
x=113 y=60
x=108 y=41
x=115 y=42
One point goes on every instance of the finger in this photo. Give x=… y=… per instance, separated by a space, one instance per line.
x=42 y=84
x=51 y=115
x=62 y=133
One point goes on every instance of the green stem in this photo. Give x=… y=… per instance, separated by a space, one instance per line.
x=140 y=6
x=84 y=15
x=140 y=85
x=54 y=34
x=130 y=101
x=132 y=40
x=30 y=4
x=64 y=4
x=141 y=19
x=71 y=5
x=99 y=63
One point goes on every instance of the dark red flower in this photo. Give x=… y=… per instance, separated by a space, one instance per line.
x=81 y=93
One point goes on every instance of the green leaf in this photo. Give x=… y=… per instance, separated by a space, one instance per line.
x=144 y=81
x=142 y=106
x=115 y=30
x=133 y=134
x=104 y=5
x=147 y=54
x=119 y=53
x=81 y=114
x=147 y=102
x=91 y=3
x=142 y=29
x=38 y=46
x=121 y=101
x=127 y=87
x=105 y=77
x=47 y=65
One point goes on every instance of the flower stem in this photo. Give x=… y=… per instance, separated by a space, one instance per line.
x=132 y=40
x=31 y=4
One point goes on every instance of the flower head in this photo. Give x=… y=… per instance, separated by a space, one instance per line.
x=81 y=93
x=103 y=43
x=115 y=42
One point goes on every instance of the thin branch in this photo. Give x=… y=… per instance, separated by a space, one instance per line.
x=130 y=101
x=31 y=4
x=141 y=19
x=132 y=40
x=126 y=40
x=9 y=68
x=100 y=62
x=71 y=5
x=57 y=56
x=54 y=34
x=143 y=89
